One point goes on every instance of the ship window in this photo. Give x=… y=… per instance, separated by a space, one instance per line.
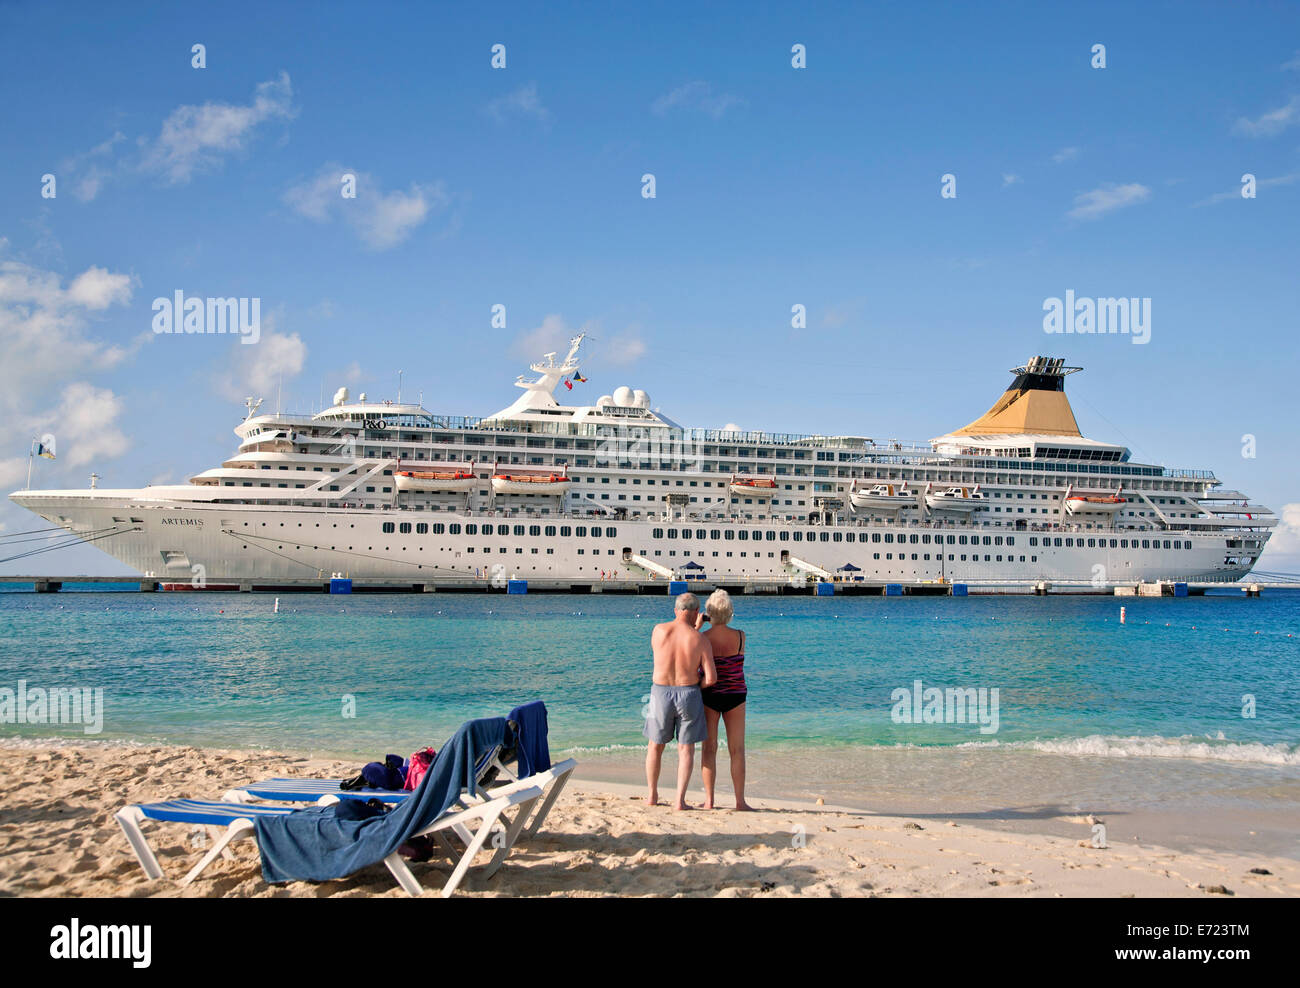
x=565 y=531
x=1167 y=546
x=839 y=537
x=700 y=534
x=875 y=537
x=1011 y=540
x=686 y=533
x=823 y=536
x=1069 y=543
x=1057 y=542
x=798 y=536
x=889 y=536
x=1187 y=545
x=1114 y=543
x=715 y=534
x=595 y=532
x=1123 y=543
x=997 y=540
x=452 y=529
x=743 y=534
x=469 y=529
x=388 y=527
x=423 y=528
x=550 y=531
x=1033 y=540
x=438 y=528
x=404 y=527
x=1146 y=543
x=728 y=535
x=534 y=530
x=519 y=529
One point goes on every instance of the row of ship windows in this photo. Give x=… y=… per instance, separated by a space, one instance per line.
x=598 y=531
x=454 y=528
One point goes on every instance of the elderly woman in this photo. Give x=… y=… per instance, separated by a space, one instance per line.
x=725 y=700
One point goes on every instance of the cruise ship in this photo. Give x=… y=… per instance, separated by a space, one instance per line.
x=581 y=494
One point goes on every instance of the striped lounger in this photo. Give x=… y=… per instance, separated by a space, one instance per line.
x=551 y=782
x=238 y=818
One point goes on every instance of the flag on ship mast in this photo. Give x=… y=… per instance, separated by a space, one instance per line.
x=579 y=378
x=42 y=450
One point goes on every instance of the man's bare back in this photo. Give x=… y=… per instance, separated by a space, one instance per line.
x=680 y=653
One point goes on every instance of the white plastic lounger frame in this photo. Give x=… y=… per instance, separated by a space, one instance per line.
x=551 y=782
x=488 y=814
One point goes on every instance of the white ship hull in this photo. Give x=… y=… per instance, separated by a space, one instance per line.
x=235 y=543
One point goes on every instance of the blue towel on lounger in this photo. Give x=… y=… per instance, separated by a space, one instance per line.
x=531 y=746
x=325 y=842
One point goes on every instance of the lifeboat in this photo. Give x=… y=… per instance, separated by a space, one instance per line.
x=753 y=486
x=955 y=499
x=882 y=497
x=530 y=483
x=1091 y=504
x=434 y=481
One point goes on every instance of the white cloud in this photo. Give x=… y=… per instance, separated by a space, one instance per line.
x=46 y=348
x=1263 y=183
x=197 y=138
x=262 y=369
x=1271 y=123
x=1107 y=199
x=1065 y=154
x=381 y=219
x=696 y=96
x=622 y=349
x=97 y=288
x=42 y=330
x=1284 y=544
x=523 y=102
x=1008 y=179
x=85 y=425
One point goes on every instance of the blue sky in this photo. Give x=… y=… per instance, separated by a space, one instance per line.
x=775 y=186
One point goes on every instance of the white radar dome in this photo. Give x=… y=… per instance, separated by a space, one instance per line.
x=640 y=399
x=623 y=396
x=341 y=396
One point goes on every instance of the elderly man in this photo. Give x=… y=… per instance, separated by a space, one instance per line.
x=683 y=663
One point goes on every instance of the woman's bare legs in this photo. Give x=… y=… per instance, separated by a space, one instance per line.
x=734 y=720
x=709 y=756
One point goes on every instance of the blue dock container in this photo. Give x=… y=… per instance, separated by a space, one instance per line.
x=893 y=590
x=516 y=586
x=339 y=585
x=1180 y=589
x=825 y=589
x=677 y=586
x=959 y=590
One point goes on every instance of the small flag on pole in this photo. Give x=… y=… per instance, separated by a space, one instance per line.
x=579 y=378
x=568 y=384
x=43 y=450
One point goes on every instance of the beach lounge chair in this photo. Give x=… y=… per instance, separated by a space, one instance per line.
x=238 y=819
x=530 y=749
x=325 y=842
x=551 y=783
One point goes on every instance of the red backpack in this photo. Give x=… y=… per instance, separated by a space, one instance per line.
x=420 y=762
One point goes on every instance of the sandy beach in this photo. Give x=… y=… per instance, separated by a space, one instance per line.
x=58 y=838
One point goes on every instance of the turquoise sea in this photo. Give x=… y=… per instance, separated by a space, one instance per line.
x=1149 y=711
